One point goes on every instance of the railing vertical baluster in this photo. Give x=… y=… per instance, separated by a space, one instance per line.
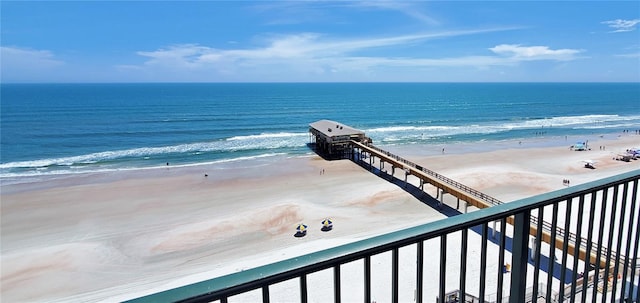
x=634 y=195
x=552 y=252
x=592 y=211
x=536 y=257
x=565 y=248
x=483 y=261
x=394 y=275
x=576 y=249
x=367 y=279
x=443 y=267
x=614 y=208
x=503 y=228
x=603 y=212
x=265 y=294
x=621 y=224
x=224 y=300
x=303 y=289
x=336 y=284
x=636 y=248
x=636 y=242
x=520 y=256
x=420 y=271
x=463 y=263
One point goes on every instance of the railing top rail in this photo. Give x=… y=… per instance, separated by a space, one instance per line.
x=327 y=258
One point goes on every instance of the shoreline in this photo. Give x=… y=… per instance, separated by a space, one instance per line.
x=418 y=149
x=422 y=152
x=45 y=174
x=121 y=232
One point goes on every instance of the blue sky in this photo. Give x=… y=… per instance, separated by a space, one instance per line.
x=320 y=41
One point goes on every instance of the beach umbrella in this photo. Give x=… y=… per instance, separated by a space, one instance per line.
x=301 y=228
x=327 y=225
x=327 y=222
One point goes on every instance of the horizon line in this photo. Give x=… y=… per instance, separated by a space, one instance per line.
x=326 y=82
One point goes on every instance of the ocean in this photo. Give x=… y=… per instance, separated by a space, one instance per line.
x=53 y=129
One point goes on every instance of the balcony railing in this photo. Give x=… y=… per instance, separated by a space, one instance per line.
x=470 y=264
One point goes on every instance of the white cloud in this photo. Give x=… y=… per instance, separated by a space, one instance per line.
x=304 y=45
x=621 y=25
x=28 y=58
x=630 y=55
x=529 y=53
x=310 y=46
x=19 y=64
x=292 y=57
x=298 y=12
x=179 y=56
x=406 y=8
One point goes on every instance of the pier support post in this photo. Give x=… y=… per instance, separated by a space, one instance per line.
x=441 y=198
x=370 y=164
x=465 y=206
x=421 y=184
x=458 y=204
x=406 y=175
x=393 y=172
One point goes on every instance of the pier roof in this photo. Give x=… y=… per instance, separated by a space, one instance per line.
x=332 y=128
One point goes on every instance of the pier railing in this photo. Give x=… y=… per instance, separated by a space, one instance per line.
x=605 y=210
x=458 y=185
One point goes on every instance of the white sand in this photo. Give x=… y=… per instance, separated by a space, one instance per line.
x=119 y=235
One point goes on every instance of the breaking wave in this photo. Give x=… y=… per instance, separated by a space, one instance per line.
x=258 y=145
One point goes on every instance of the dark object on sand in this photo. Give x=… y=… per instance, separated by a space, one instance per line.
x=301 y=231
x=327 y=225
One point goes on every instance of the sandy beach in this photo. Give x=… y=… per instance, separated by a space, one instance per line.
x=114 y=236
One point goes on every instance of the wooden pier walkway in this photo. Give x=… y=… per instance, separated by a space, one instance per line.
x=447 y=185
x=482 y=200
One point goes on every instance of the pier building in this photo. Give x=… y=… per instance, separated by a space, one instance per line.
x=332 y=140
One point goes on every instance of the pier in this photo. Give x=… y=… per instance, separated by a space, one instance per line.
x=337 y=141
